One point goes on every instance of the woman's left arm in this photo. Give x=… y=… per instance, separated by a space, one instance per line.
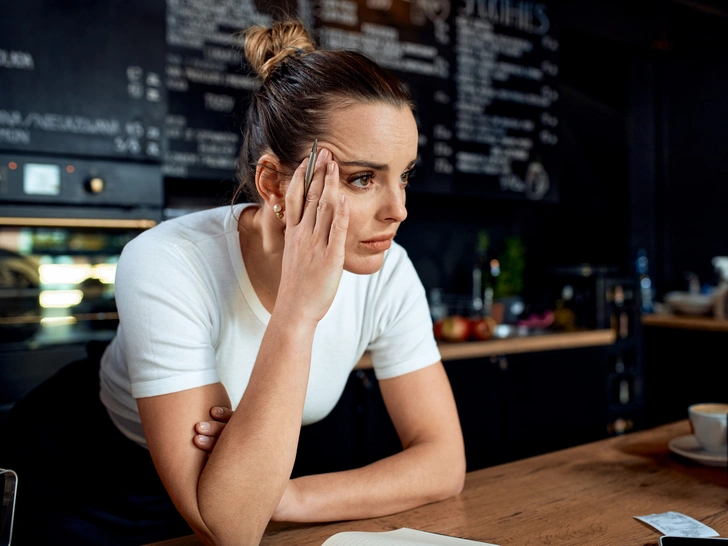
x=430 y=468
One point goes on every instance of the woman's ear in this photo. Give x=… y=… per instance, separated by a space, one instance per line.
x=269 y=180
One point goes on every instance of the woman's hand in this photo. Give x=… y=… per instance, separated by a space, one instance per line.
x=209 y=431
x=207 y=434
x=313 y=257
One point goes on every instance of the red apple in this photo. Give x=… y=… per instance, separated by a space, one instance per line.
x=453 y=328
x=484 y=328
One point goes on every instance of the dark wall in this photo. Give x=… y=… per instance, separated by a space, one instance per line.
x=643 y=154
x=695 y=185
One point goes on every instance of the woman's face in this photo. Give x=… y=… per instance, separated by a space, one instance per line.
x=375 y=146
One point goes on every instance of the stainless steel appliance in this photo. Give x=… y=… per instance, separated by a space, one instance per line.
x=63 y=225
x=82 y=111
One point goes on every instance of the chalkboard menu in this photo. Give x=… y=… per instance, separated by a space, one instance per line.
x=83 y=78
x=162 y=81
x=482 y=73
x=205 y=82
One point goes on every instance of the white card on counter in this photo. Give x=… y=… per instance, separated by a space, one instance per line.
x=675 y=524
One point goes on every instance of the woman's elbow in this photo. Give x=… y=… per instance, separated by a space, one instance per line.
x=456 y=481
x=452 y=479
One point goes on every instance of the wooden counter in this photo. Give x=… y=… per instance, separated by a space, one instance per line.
x=685 y=322
x=517 y=344
x=584 y=495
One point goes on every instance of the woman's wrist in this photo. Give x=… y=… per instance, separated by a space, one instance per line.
x=291 y=316
x=287 y=507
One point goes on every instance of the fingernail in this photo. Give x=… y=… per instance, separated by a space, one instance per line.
x=323 y=155
x=202 y=439
x=217 y=411
x=330 y=167
x=204 y=425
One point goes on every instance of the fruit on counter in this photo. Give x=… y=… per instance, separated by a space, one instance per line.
x=534 y=320
x=483 y=328
x=453 y=328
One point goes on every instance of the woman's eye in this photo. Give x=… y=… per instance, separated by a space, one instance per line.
x=407 y=175
x=361 y=181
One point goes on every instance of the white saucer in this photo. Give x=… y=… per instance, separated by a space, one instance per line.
x=688 y=446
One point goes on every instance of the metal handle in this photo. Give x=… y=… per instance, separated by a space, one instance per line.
x=109 y=223
x=7 y=513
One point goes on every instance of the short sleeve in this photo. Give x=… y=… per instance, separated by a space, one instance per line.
x=403 y=339
x=164 y=296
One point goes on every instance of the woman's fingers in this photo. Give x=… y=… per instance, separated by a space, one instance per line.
x=329 y=201
x=295 y=206
x=315 y=191
x=294 y=196
x=339 y=226
x=219 y=413
x=205 y=443
x=207 y=432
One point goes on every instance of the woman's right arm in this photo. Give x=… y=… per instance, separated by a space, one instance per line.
x=229 y=497
x=250 y=467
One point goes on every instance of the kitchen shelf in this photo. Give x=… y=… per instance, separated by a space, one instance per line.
x=708 y=324
x=517 y=344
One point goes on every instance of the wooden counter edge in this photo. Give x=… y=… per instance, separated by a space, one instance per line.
x=514 y=345
x=708 y=324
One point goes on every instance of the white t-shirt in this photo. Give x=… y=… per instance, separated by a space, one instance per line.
x=189 y=317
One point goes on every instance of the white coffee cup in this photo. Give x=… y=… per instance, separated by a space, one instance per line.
x=709 y=422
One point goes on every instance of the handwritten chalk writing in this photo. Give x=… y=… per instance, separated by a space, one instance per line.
x=547 y=137
x=344 y=12
x=435 y=10
x=380 y=5
x=20 y=60
x=442 y=132
x=205 y=148
x=219 y=103
x=206 y=77
x=14 y=136
x=60 y=123
x=194 y=24
x=384 y=47
x=442 y=149
x=237 y=81
x=443 y=166
x=227 y=55
x=525 y=16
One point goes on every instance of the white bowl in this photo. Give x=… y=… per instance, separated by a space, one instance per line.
x=690 y=304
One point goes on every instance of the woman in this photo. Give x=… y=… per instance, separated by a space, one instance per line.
x=266 y=308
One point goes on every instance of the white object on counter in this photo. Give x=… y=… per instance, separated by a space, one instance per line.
x=690 y=304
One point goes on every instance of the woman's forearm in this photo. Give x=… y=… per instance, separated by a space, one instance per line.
x=423 y=473
x=252 y=461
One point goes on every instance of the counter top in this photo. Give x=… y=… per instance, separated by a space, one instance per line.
x=685 y=322
x=583 y=495
x=547 y=341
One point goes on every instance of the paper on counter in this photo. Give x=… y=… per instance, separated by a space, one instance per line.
x=676 y=524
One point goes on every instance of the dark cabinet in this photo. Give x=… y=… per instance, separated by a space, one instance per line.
x=553 y=400
x=477 y=385
x=510 y=407
x=682 y=367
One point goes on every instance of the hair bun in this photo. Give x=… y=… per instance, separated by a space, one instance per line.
x=266 y=47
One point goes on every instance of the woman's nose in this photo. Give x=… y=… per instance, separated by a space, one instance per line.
x=392 y=208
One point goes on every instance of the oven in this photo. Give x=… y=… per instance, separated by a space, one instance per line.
x=82 y=112
x=58 y=259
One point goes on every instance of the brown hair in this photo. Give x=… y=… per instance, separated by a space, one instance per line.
x=300 y=87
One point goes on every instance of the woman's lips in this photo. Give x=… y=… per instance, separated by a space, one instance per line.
x=379 y=244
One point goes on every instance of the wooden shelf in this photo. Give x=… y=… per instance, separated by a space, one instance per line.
x=708 y=324
x=517 y=344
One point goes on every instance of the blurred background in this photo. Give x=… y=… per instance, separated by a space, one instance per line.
x=571 y=178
